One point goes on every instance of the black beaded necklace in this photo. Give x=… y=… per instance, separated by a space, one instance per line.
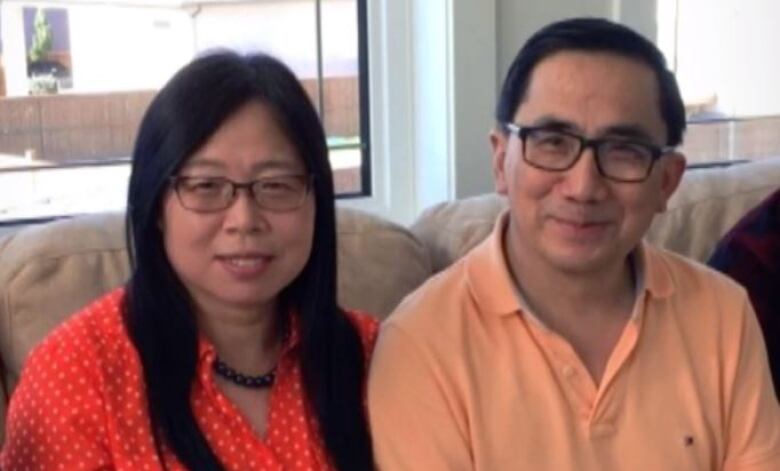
x=247 y=381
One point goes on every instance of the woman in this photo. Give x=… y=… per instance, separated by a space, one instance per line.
x=226 y=349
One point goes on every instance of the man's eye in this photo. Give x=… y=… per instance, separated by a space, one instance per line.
x=551 y=140
x=626 y=151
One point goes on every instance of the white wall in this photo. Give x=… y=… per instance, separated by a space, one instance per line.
x=454 y=64
x=14 y=60
x=285 y=28
x=474 y=53
x=432 y=85
x=519 y=19
x=127 y=48
x=721 y=46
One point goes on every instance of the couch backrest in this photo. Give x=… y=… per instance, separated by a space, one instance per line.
x=708 y=203
x=49 y=271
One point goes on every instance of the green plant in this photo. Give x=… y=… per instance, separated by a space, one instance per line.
x=41 y=42
x=45 y=84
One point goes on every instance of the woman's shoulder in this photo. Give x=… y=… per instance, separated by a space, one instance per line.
x=95 y=327
x=60 y=399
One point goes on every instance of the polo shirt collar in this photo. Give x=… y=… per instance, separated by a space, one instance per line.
x=655 y=273
x=488 y=275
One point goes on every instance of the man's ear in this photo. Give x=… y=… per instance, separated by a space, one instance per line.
x=498 y=145
x=672 y=169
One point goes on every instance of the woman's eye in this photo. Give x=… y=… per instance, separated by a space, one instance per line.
x=203 y=186
x=275 y=186
x=280 y=185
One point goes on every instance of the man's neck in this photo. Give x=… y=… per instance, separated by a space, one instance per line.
x=588 y=309
x=548 y=289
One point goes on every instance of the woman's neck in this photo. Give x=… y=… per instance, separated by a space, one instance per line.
x=249 y=341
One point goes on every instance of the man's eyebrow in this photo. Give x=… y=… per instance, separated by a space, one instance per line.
x=628 y=131
x=558 y=124
x=625 y=131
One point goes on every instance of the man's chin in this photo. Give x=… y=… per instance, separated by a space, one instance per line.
x=579 y=260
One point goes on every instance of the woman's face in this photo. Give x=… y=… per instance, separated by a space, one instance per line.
x=239 y=258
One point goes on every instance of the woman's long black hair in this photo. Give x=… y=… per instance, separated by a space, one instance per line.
x=159 y=317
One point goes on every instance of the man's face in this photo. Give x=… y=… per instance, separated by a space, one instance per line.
x=575 y=220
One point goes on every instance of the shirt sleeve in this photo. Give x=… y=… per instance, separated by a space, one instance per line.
x=55 y=417
x=413 y=423
x=753 y=422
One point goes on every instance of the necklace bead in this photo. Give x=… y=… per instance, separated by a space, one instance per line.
x=247 y=381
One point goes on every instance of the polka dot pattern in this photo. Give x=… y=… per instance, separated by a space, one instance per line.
x=81 y=405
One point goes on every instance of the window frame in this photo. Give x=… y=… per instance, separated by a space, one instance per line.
x=364 y=112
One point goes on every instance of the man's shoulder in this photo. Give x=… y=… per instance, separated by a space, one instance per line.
x=685 y=271
x=697 y=290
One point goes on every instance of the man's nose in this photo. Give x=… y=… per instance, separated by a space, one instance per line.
x=583 y=182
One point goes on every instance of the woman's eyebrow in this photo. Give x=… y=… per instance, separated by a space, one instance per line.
x=203 y=162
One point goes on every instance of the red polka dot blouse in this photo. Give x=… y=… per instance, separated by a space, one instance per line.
x=80 y=405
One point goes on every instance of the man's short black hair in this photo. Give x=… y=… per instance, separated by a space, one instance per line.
x=592 y=35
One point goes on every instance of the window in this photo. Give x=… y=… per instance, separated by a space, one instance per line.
x=77 y=75
x=724 y=56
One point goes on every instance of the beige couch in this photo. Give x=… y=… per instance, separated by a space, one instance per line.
x=49 y=271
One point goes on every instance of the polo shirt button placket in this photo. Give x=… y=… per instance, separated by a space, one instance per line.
x=602 y=430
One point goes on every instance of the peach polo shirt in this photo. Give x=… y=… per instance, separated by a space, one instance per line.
x=464 y=378
x=81 y=405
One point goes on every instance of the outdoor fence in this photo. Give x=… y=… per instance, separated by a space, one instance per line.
x=71 y=127
x=748 y=139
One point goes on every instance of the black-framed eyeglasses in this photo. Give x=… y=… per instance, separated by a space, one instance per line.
x=617 y=159
x=280 y=193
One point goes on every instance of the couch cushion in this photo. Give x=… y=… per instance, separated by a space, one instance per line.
x=709 y=202
x=706 y=205
x=48 y=272
x=379 y=262
x=451 y=229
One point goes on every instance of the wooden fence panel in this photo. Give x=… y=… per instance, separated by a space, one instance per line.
x=72 y=127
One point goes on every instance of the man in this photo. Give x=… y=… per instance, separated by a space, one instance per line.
x=562 y=341
x=750 y=254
